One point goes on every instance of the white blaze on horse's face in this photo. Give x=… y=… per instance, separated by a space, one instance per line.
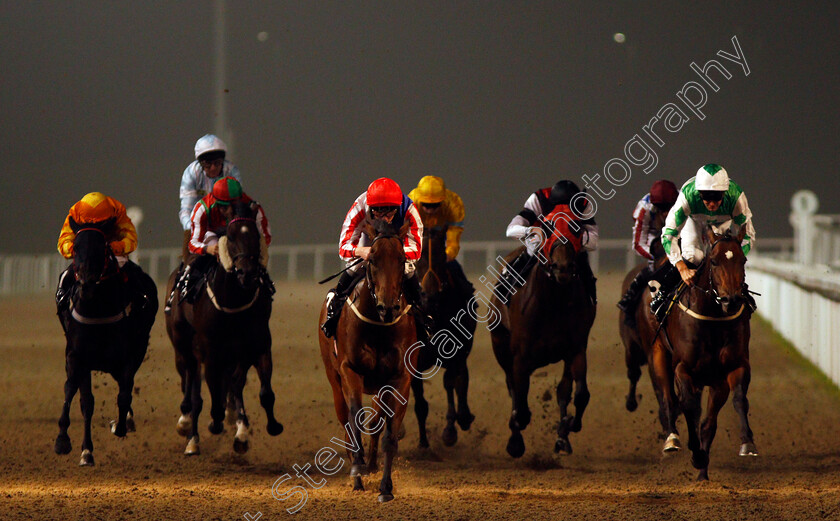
x=729 y=255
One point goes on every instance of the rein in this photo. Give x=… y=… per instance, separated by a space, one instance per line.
x=99 y=320
x=224 y=309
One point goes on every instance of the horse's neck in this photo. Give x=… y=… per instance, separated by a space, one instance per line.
x=111 y=293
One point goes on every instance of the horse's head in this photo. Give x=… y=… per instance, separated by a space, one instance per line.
x=242 y=247
x=432 y=266
x=562 y=244
x=726 y=267
x=386 y=266
x=90 y=253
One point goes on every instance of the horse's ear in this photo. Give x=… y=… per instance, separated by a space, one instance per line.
x=741 y=234
x=107 y=226
x=711 y=236
x=368 y=228
x=73 y=224
x=404 y=229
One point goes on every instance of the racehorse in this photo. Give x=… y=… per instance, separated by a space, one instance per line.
x=442 y=302
x=547 y=320
x=368 y=355
x=225 y=329
x=643 y=346
x=709 y=335
x=106 y=330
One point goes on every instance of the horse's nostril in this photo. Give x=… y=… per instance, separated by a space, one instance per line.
x=380 y=307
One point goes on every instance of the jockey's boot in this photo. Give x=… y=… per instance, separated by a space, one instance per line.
x=413 y=296
x=463 y=286
x=65 y=286
x=512 y=274
x=668 y=277
x=630 y=300
x=587 y=276
x=335 y=302
x=140 y=296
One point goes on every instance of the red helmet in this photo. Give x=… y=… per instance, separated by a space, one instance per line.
x=384 y=192
x=663 y=192
x=227 y=189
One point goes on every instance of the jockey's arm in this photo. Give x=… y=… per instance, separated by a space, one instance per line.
x=641 y=230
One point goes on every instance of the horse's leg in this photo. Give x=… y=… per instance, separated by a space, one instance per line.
x=264 y=368
x=577 y=371
x=373 y=446
x=352 y=385
x=739 y=382
x=71 y=385
x=518 y=384
x=634 y=372
x=717 y=398
x=462 y=384
x=218 y=386
x=196 y=404
x=126 y=385
x=564 y=396
x=86 y=403
x=240 y=416
x=450 y=434
x=689 y=398
x=421 y=410
x=390 y=439
x=186 y=370
x=663 y=386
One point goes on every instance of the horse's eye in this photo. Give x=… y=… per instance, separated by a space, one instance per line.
x=714 y=263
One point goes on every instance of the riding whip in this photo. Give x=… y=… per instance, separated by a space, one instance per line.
x=357 y=261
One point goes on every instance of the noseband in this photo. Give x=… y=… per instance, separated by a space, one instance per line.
x=711 y=290
x=368 y=276
x=109 y=256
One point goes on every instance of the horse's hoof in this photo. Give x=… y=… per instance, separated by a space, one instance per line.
x=184 y=426
x=450 y=435
x=423 y=443
x=672 y=444
x=516 y=445
x=117 y=430
x=240 y=447
x=274 y=428
x=359 y=470
x=357 y=484
x=632 y=403
x=703 y=475
x=401 y=433
x=216 y=427
x=87 y=459
x=384 y=498
x=192 y=447
x=63 y=445
x=748 y=449
x=130 y=426
x=465 y=421
x=562 y=446
x=700 y=459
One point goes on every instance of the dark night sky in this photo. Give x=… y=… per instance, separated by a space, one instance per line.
x=499 y=98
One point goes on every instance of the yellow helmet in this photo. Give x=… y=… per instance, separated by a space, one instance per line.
x=430 y=190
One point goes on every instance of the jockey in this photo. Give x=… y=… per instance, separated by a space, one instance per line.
x=197 y=181
x=209 y=221
x=662 y=196
x=439 y=206
x=383 y=200
x=121 y=237
x=540 y=204
x=707 y=198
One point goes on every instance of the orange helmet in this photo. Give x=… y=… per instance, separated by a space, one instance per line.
x=384 y=192
x=227 y=189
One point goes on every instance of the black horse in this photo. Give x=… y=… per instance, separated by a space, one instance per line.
x=226 y=330
x=107 y=323
x=443 y=301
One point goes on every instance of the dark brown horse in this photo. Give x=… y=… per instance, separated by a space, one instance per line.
x=106 y=327
x=367 y=355
x=709 y=334
x=548 y=321
x=643 y=346
x=442 y=301
x=225 y=330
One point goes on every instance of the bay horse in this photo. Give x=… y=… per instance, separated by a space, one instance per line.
x=547 y=320
x=442 y=301
x=107 y=329
x=643 y=346
x=226 y=330
x=709 y=334
x=368 y=355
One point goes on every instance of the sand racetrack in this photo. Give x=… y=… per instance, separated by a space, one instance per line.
x=616 y=472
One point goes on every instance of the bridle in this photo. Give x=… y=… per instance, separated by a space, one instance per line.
x=369 y=280
x=711 y=290
x=109 y=256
